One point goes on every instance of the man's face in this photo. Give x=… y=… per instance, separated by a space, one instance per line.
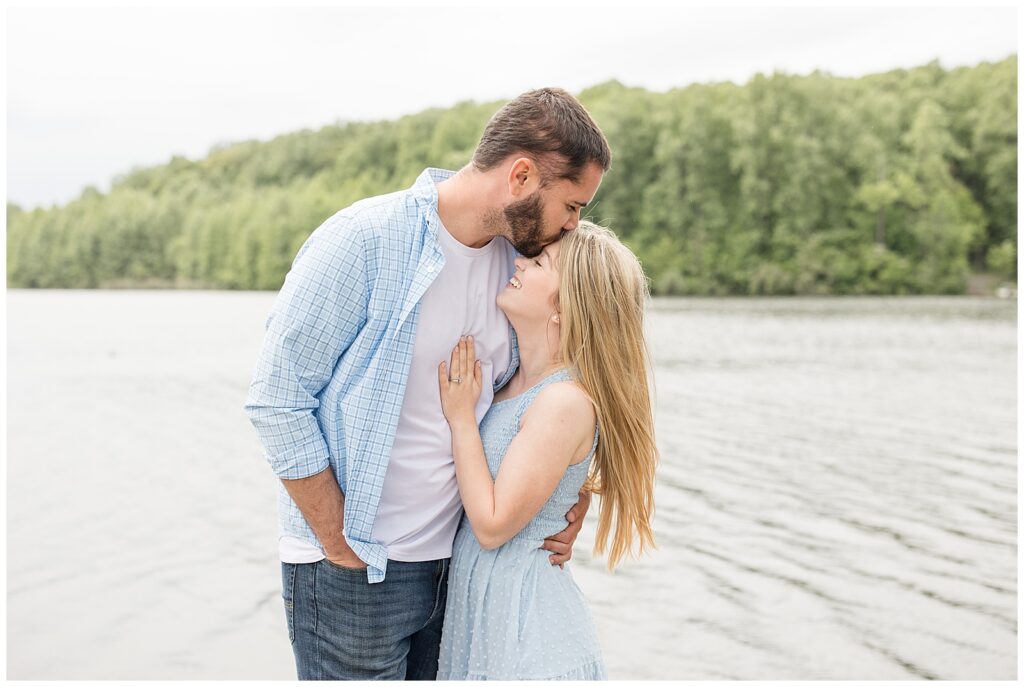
x=539 y=219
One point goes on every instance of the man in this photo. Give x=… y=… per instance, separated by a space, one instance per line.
x=345 y=395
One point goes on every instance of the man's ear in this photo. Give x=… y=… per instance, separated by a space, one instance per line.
x=523 y=177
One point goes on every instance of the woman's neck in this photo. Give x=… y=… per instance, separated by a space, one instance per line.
x=538 y=358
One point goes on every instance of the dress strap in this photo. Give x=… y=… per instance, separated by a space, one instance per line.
x=526 y=398
x=559 y=375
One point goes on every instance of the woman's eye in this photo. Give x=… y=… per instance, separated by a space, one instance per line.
x=537 y=263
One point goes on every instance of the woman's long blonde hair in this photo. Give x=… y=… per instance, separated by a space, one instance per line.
x=601 y=298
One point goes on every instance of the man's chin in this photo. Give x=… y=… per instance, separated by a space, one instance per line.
x=530 y=250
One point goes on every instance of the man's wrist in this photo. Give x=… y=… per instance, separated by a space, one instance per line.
x=338 y=549
x=348 y=557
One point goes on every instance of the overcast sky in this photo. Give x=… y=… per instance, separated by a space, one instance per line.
x=93 y=92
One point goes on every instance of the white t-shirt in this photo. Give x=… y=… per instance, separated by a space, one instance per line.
x=420 y=507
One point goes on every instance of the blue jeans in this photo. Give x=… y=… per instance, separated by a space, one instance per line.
x=343 y=628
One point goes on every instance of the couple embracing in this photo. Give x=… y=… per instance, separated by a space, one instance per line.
x=448 y=373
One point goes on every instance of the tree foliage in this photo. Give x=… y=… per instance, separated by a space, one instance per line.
x=902 y=182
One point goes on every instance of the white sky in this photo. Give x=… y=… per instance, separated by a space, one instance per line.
x=93 y=92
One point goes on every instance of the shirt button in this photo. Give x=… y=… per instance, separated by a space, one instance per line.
x=430 y=269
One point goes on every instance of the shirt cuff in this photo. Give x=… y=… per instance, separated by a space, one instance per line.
x=303 y=461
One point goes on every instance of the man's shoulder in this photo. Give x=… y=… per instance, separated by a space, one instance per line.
x=390 y=215
x=381 y=208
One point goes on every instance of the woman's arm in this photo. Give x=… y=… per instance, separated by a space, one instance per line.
x=558 y=426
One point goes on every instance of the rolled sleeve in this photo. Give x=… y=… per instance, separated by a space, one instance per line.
x=319 y=311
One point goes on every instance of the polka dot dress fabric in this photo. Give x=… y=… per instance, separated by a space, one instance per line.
x=511 y=614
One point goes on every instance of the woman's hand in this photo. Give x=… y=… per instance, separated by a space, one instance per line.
x=460 y=384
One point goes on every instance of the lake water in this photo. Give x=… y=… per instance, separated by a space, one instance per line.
x=836 y=497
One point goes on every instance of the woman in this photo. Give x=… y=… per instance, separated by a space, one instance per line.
x=578 y=404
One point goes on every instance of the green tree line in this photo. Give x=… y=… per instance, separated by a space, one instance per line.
x=895 y=183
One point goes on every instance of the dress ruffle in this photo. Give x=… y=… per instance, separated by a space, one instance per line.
x=594 y=670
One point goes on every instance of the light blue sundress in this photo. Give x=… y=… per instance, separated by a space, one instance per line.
x=511 y=614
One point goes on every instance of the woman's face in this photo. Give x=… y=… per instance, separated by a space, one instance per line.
x=534 y=287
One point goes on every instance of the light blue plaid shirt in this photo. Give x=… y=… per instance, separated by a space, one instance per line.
x=330 y=380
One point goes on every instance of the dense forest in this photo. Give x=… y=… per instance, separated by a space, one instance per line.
x=896 y=183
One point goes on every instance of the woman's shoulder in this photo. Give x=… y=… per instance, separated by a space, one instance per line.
x=564 y=402
x=564 y=392
x=563 y=406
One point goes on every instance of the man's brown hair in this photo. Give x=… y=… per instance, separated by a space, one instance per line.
x=551 y=126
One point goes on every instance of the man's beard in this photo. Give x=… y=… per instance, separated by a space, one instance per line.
x=524 y=218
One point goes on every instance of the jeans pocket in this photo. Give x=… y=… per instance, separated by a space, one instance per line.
x=288 y=594
x=342 y=568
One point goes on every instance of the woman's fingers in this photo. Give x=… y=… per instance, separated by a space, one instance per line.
x=464 y=362
x=470 y=364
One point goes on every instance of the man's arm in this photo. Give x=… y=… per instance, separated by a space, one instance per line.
x=560 y=545
x=323 y=506
x=317 y=315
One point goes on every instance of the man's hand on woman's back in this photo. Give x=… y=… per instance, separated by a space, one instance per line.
x=561 y=544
